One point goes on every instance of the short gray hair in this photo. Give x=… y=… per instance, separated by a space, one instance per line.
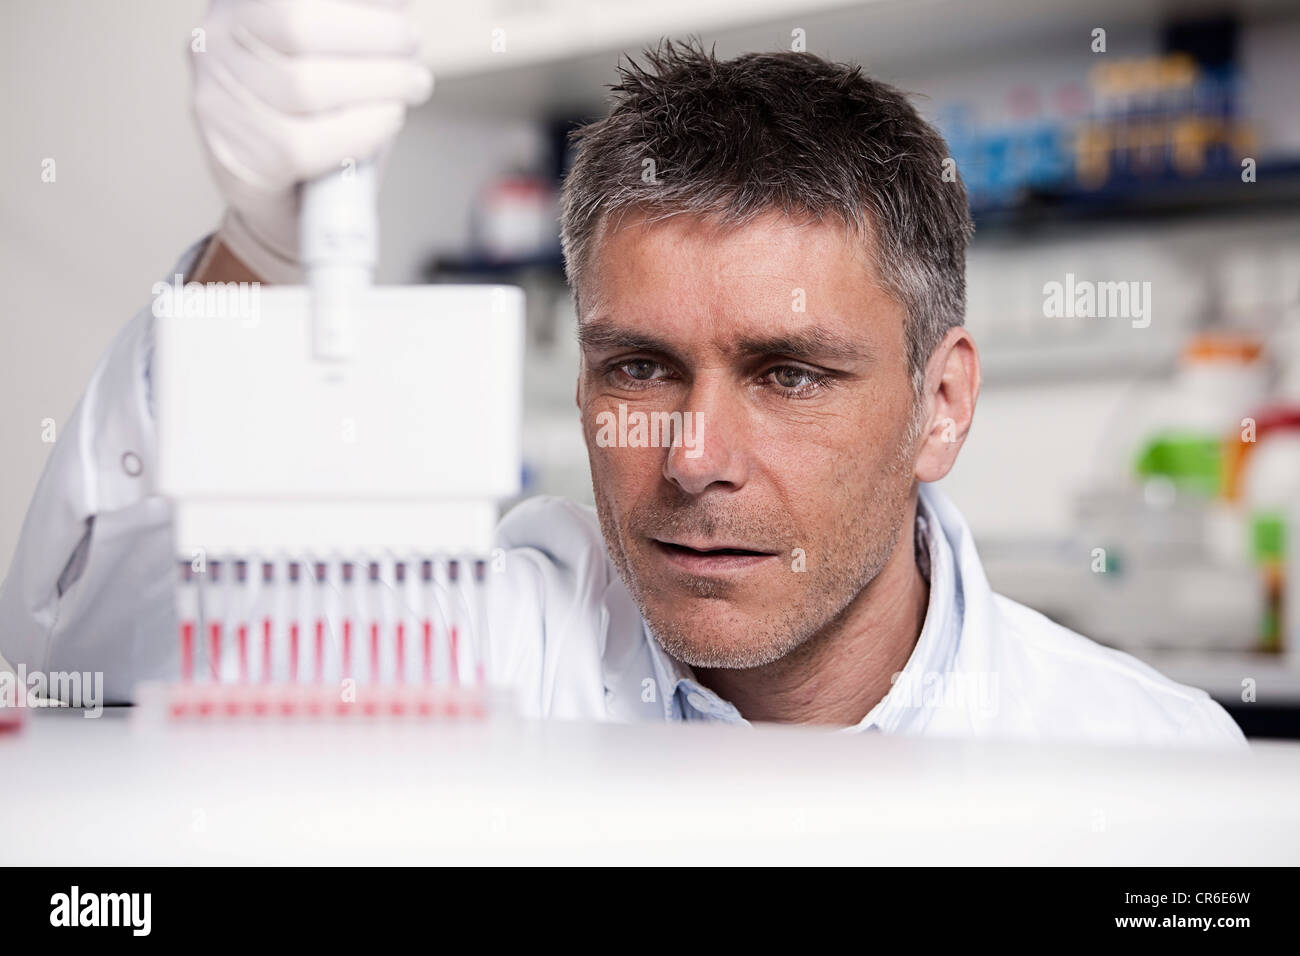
x=792 y=132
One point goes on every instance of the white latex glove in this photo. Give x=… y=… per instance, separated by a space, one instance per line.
x=286 y=90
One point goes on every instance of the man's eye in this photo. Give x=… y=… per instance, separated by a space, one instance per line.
x=795 y=379
x=639 y=370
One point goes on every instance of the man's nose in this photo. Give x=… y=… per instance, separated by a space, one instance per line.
x=712 y=450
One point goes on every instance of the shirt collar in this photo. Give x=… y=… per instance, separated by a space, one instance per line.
x=685 y=698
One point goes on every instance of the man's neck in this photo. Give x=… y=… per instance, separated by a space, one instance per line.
x=844 y=670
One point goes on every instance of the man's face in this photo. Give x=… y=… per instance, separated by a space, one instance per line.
x=760 y=525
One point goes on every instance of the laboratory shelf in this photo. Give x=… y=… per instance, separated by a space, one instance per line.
x=1275 y=191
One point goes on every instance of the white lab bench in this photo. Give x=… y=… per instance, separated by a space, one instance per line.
x=111 y=791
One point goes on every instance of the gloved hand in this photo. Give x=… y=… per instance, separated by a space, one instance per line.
x=286 y=90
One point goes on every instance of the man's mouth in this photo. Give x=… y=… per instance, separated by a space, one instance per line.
x=707 y=557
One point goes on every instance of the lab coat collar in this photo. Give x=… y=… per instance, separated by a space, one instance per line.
x=935 y=653
x=685 y=698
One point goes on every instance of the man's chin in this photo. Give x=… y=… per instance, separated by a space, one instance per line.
x=710 y=633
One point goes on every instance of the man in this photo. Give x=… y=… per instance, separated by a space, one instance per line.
x=767 y=247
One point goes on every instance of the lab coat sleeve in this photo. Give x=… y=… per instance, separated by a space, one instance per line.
x=1209 y=724
x=89 y=586
x=550 y=623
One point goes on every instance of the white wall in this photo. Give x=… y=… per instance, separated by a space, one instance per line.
x=102 y=93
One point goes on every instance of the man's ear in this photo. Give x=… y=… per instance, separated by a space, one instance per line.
x=952 y=385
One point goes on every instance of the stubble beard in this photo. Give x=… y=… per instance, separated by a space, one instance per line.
x=845 y=566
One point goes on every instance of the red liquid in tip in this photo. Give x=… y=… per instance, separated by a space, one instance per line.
x=320 y=651
x=347 y=647
x=374 y=651
x=266 y=650
x=401 y=651
x=428 y=652
x=187 y=651
x=214 y=649
x=243 y=653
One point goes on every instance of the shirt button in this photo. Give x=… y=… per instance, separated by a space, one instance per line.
x=131 y=464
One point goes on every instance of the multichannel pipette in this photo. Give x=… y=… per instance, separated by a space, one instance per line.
x=334 y=463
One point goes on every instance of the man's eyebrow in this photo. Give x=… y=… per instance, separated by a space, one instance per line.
x=598 y=334
x=809 y=344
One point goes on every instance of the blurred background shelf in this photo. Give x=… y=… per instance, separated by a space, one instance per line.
x=559 y=53
x=1274 y=193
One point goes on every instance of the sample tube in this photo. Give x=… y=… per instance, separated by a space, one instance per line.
x=268 y=618
x=319 y=601
x=349 y=602
x=481 y=623
x=429 y=614
x=241 y=620
x=216 y=611
x=294 y=634
x=187 y=613
x=399 y=611
x=373 y=596
x=454 y=618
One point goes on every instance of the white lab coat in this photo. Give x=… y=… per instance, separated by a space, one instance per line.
x=90 y=590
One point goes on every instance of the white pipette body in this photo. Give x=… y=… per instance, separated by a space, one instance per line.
x=339 y=245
